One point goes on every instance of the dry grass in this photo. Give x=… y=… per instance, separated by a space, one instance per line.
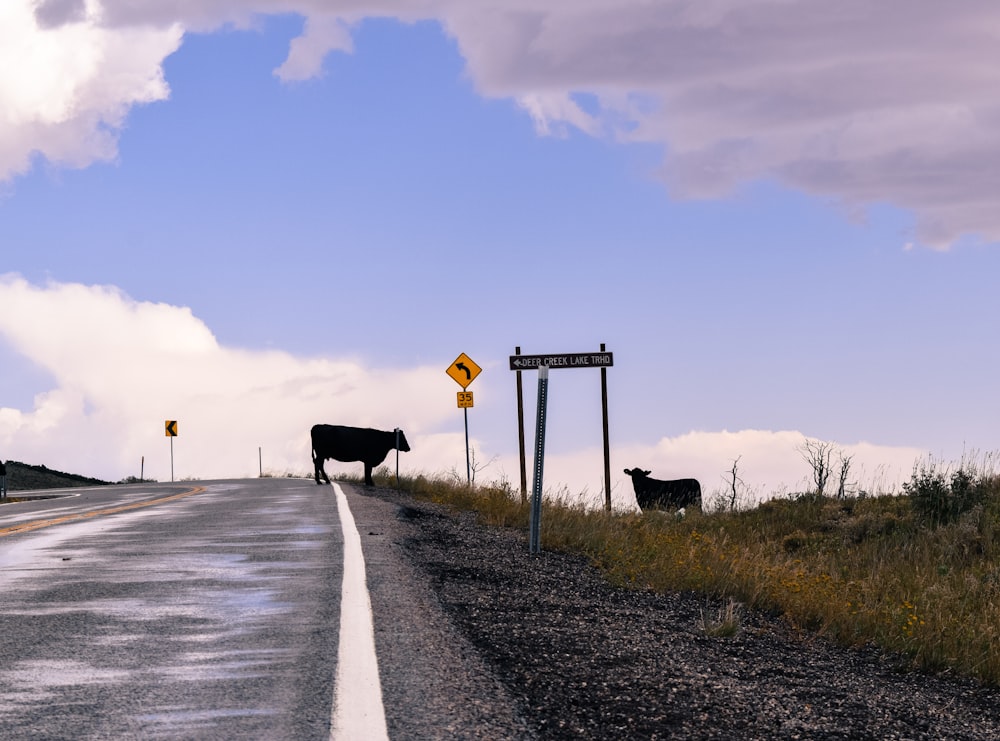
x=860 y=571
x=726 y=621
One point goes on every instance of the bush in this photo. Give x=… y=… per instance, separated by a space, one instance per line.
x=940 y=499
x=794 y=541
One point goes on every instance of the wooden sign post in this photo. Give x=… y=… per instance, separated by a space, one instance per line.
x=602 y=360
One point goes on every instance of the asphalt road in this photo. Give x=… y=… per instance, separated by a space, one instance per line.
x=210 y=610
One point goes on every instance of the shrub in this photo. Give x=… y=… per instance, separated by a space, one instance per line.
x=940 y=499
x=794 y=541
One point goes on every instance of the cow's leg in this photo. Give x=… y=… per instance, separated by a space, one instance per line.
x=318 y=462
x=368 y=475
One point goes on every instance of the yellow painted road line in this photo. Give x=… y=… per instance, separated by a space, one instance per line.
x=38 y=524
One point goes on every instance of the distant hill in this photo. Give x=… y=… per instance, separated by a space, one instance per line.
x=24 y=477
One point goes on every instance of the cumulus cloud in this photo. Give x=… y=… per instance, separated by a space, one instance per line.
x=769 y=464
x=122 y=367
x=321 y=36
x=891 y=102
x=67 y=82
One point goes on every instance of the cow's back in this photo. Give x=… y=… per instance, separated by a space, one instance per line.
x=687 y=492
x=348 y=444
x=675 y=493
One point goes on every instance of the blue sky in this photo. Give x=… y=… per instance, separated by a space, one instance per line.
x=326 y=246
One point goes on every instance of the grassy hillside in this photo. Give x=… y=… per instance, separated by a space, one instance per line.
x=24 y=477
x=917 y=574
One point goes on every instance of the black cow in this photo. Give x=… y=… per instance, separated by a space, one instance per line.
x=653 y=493
x=353 y=444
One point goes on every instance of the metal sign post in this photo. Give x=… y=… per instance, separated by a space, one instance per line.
x=171 y=430
x=602 y=360
x=535 y=532
x=465 y=403
x=397 y=457
x=464 y=371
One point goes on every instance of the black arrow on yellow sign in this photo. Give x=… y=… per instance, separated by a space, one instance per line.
x=171 y=426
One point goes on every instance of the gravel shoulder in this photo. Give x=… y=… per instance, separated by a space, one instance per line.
x=580 y=658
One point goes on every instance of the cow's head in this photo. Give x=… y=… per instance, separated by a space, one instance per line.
x=403 y=446
x=634 y=472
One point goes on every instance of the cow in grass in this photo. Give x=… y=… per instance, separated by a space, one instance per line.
x=656 y=494
x=350 y=444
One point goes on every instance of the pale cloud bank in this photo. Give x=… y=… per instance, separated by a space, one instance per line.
x=768 y=463
x=890 y=102
x=122 y=367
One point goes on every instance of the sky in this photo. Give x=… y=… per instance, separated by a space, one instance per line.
x=778 y=215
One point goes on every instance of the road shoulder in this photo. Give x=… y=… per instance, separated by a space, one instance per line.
x=434 y=682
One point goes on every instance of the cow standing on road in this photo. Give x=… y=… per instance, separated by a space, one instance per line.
x=348 y=444
x=653 y=493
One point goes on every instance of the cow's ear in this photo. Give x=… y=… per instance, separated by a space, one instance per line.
x=646 y=473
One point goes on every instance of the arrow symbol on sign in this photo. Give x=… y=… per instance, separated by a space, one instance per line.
x=462 y=367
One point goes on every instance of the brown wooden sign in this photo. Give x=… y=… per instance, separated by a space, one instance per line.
x=565 y=360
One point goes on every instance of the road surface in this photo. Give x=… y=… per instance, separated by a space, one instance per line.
x=213 y=610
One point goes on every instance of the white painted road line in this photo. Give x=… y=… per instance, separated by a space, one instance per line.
x=358 y=712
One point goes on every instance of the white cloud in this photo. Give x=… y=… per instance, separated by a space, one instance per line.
x=67 y=82
x=123 y=367
x=321 y=36
x=550 y=112
x=863 y=102
x=769 y=464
